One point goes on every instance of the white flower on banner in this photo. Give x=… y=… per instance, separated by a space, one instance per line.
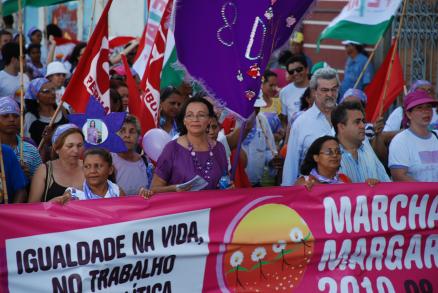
x=258 y=254
x=236 y=259
x=279 y=246
x=296 y=235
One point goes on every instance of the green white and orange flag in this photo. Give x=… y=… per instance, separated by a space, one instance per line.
x=362 y=21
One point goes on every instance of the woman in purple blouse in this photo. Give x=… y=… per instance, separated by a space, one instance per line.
x=193 y=153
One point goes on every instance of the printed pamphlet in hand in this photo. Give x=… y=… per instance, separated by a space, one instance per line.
x=197 y=183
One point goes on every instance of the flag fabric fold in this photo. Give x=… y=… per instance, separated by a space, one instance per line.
x=150 y=83
x=377 y=103
x=91 y=76
x=154 y=23
x=136 y=105
x=361 y=21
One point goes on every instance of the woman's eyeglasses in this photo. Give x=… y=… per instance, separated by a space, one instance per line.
x=297 y=70
x=331 y=152
x=192 y=117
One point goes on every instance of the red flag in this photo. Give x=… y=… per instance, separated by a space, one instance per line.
x=150 y=82
x=120 y=41
x=375 y=90
x=137 y=106
x=91 y=77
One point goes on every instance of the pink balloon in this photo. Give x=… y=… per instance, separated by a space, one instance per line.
x=154 y=141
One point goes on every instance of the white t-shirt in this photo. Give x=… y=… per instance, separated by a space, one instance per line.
x=10 y=85
x=393 y=123
x=418 y=155
x=222 y=138
x=290 y=100
x=394 y=120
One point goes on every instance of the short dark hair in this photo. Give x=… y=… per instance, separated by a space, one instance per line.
x=5 y=32
x=167 y=92
x=115 y=97
x=284 y=57
x=267 y=74
x=105 y=155
x=297 y=58
x=31 y=47
x=53 y=30
x=8 y=19
x=9 y=51
x=309 y=163
x=339 y=114
x=303 y=102
x=198 y=98
x=131 y=119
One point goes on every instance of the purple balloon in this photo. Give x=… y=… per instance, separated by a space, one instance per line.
x=226 y=44
x=154 y=141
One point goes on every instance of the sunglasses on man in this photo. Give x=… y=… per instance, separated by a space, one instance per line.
x=297 y=70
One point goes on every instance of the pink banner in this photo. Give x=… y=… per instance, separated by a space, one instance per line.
x=336 y=238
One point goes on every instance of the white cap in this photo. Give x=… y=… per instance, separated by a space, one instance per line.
x=56 y=67
x=348 y=42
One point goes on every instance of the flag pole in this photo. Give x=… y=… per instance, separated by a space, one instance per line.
x=368 y=62
x=388 y=74
x=52 y=121
x=3 y=175
x=20 y=38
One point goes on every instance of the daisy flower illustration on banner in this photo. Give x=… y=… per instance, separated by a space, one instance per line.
x=236 y=260
x=296 y=235
x=257 y=256
x=280 y=248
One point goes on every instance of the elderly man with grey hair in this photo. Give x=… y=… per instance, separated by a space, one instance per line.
x=313 y=123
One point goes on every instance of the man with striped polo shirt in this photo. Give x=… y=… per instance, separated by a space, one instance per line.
x=358 y=162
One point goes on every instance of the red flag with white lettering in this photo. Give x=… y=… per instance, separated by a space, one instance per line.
x=156 y=15
x=137 y=106
x=150 y=82
x=91 y=76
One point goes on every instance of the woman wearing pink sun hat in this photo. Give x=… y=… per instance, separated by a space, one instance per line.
x=413 y=153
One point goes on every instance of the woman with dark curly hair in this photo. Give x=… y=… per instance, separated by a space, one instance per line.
x=321 y=164
x=73 y=60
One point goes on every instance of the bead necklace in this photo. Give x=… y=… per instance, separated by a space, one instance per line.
x=204 y=171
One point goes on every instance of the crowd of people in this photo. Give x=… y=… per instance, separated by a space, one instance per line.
x=310 y=131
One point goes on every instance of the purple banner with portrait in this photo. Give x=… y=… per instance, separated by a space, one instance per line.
x=226 y=44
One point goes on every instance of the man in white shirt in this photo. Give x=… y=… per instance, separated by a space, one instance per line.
x=290 y=95
x=9 y=76
x=313 y=123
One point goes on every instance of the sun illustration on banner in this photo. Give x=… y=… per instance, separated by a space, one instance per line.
x=275 y=247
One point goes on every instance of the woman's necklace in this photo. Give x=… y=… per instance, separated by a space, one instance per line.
x=323 y=179
x=205 y=171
